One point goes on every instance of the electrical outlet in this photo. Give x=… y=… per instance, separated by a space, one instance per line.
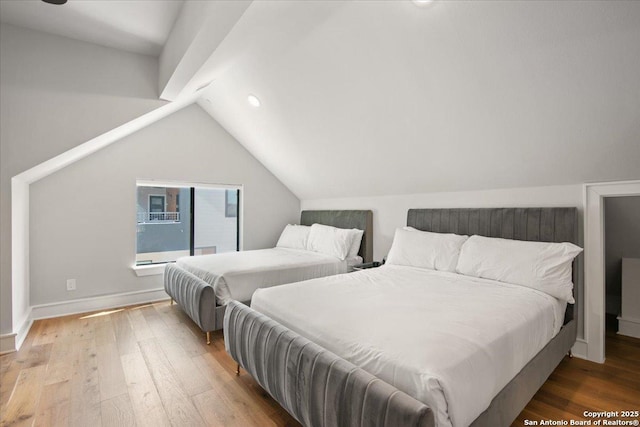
x=71 y=284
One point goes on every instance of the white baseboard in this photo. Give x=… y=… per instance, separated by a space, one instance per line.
x=23 y=331
x=579 y=349
x=12 y=342
x=84 y=305
x=7 y=343
x=629 y=327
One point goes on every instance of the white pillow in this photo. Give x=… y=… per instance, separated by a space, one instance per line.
x=355 y=244
x=435 y=251
x=330 y=240
x=539 y=265
x=294 y=237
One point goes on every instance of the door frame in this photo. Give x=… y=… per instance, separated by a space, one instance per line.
x=594 y=270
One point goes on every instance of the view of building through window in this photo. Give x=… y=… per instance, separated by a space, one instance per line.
x=165 y=230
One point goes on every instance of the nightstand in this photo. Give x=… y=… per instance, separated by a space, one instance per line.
x=366 y=265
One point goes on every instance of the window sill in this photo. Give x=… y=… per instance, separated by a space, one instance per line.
x=148 y=270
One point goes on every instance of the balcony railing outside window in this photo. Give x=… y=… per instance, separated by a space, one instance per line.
x=154 y=217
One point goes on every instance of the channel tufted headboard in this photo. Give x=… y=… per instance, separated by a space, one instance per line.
x=535 y=224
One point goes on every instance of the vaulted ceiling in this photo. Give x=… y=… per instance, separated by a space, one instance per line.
x=390 y=97
x=138 y=26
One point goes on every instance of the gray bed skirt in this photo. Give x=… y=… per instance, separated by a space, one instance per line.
x=319 y=388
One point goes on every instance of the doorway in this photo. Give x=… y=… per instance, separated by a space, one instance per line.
x=622 y=265
x=595 y=277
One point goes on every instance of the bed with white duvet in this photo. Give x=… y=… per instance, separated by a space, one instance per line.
x=324 y=244
x=471 y=313
x=236 y=275
x=448 y=340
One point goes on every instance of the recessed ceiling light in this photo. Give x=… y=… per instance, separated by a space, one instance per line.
x=253 y=100
x=423 y=3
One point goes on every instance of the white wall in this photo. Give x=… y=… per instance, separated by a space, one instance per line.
x=56 y=93
x=71 y=238
x=390 y=212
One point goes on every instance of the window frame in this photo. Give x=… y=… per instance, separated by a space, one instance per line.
x=164 y=201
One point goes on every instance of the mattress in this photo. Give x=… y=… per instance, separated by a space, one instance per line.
x=450 y=341
x=236 y=275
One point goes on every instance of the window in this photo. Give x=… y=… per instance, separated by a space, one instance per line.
x=156 y=207
x=175 y=221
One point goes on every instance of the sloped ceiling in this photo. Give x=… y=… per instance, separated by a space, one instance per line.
x=386 y=97
x=381 y=97
x=139 y=26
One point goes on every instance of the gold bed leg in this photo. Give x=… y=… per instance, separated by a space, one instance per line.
x=570 y=354
x=238 y=369
x=171 y=301
x=208 y=338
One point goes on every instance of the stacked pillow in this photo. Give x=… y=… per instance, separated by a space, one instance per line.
x=294 y=237
x=339 y=242
x=538 y=265
x=435 y=251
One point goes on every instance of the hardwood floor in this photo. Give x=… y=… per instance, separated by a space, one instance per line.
x=577 y=385
x=146 y=365
x=149 y=365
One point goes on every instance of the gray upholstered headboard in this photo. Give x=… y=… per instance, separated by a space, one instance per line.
x=362 y=220
x=533 y=224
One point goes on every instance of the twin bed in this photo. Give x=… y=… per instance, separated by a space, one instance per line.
x=203 y=285
x=406 y=345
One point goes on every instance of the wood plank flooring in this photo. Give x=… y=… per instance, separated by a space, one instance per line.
x=149 y=365
x=577 y=385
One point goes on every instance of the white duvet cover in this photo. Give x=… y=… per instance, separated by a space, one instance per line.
x=450 y=341
x=236 y=275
